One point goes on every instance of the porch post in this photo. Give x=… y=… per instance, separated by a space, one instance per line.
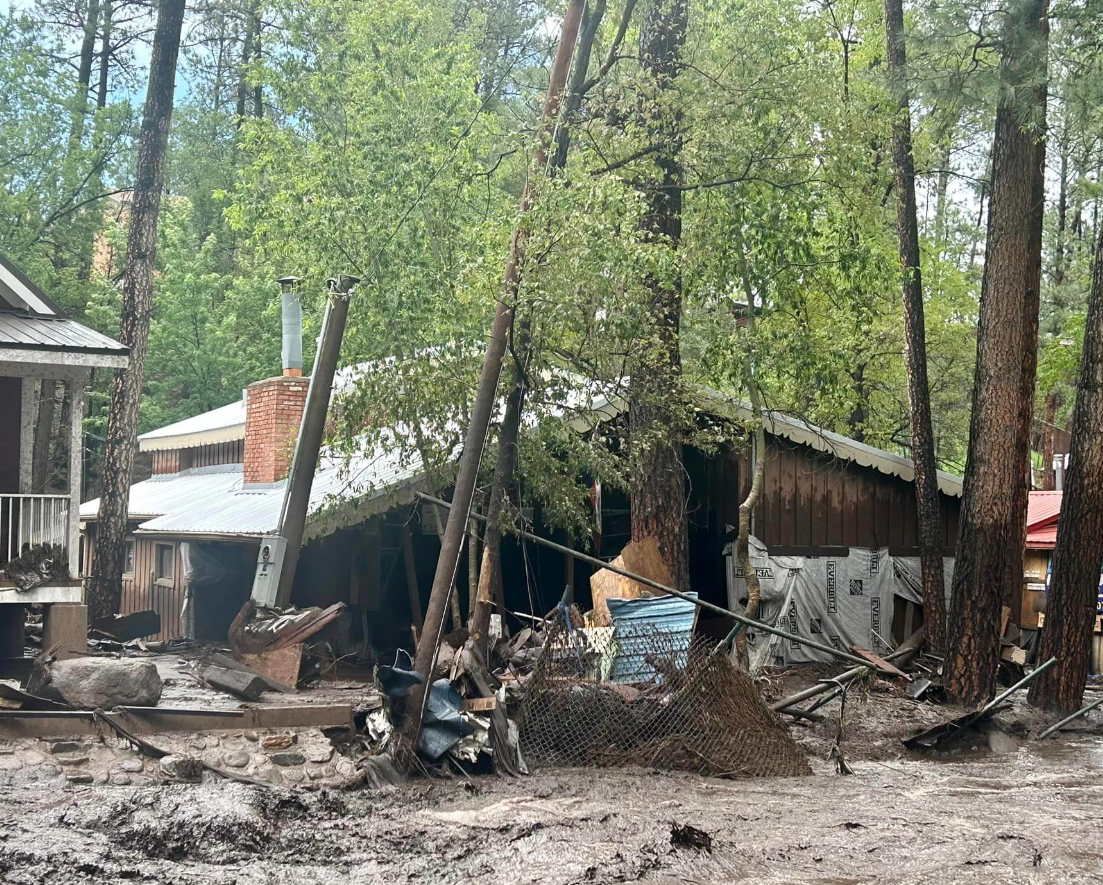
x=78 y=386
x=27 y=414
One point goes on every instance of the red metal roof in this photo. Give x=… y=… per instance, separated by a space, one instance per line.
x=1041 y=520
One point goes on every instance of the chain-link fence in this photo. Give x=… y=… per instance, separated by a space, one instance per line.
x=642 y=696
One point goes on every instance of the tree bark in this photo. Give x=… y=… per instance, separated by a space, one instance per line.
x=444 y=577
x=658 y=486
x=105 y=586
x=105 y=56
x=928 y=505
x=746 y=509
x=990 y=542
x=84 y=74
x=1070 y=611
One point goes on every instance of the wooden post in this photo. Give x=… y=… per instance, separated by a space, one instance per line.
x=77 y=386
x=26 y=433
x=411 y=580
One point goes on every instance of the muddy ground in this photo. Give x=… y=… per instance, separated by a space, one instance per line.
x=1029 y=814
x=1005 y=809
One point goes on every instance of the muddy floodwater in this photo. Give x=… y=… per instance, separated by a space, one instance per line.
x=1032 y=815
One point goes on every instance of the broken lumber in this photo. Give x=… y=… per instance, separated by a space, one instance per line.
x=940 y=735
x=236 y=682
x=153 y=720
x=137 y=625
x=906 y=649
x=229 y=663
x=883 y=666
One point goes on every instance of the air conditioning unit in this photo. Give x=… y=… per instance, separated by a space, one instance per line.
x=266 y=580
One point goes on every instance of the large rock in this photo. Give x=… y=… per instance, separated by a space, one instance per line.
x=89 y=683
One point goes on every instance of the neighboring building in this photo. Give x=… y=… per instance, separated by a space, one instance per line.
x=37 y=342
x=217 y=488
x=827 y=502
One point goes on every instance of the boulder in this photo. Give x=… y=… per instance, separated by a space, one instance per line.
x=88 y=683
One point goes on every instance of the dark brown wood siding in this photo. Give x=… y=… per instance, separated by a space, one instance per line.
x=810 y=499
x=175 y=460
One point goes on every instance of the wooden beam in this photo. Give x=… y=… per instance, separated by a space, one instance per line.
x=150 y=720
x=411 y=578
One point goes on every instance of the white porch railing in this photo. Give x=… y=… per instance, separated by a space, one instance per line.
x=29 y=520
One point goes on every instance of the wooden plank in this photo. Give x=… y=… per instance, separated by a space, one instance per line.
x=883 y=666
x=151 y=720
x=274 y=684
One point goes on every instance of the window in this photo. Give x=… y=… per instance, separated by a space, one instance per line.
x=128 y=558
x=164 y=563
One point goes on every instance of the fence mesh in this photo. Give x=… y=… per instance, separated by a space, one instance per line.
x=652 y=698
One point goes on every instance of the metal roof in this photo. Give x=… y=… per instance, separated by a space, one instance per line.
x=36 y=332
x=219 y=425
x=843 y=447
x=226 y=423
x=603 y=407
x=1041 y=520
x=214 y=501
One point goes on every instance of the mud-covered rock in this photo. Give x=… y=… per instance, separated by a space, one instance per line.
x=182 y=768
x=105 y=683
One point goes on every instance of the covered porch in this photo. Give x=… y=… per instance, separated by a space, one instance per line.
x=42 y=354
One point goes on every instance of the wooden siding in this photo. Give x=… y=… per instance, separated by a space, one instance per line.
x=142 y=592
x=175 y=460
x=810 y=499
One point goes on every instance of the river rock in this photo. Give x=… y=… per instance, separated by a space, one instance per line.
x=89 y=683
x=182 y=768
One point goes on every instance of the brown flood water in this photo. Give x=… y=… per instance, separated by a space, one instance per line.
x=1035 y=815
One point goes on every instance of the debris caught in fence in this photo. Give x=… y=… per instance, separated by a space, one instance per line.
x=694 y=711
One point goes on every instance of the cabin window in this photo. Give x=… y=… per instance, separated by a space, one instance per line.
x=128 y=558
x=164 y=563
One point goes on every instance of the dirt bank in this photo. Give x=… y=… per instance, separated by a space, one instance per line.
x=1029 y=816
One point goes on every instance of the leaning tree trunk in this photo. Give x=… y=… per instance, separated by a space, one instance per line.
x=105 y=587
x=990 y=540
x=1070 y=611
x=928 y=505
x=43 y=434
x=657 y=488
x=490 y=574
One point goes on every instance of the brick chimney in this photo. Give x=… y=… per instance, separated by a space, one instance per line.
x=273 y=411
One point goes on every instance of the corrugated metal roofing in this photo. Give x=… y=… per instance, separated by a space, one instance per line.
x=26 y=331
x=1042 y=514
x=223 y=424
x=215 y=501
x=793 y=429
x=650 y=628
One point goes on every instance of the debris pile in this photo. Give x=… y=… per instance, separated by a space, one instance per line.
x=645 y=693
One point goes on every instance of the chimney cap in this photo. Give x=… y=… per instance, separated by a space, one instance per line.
x=288 y=283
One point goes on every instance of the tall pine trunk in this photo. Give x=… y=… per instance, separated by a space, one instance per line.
x=1070 y=611
x=990 y=541
x=1071 y=608
x=105 y=586
x=658 y=484
x=928 y=506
